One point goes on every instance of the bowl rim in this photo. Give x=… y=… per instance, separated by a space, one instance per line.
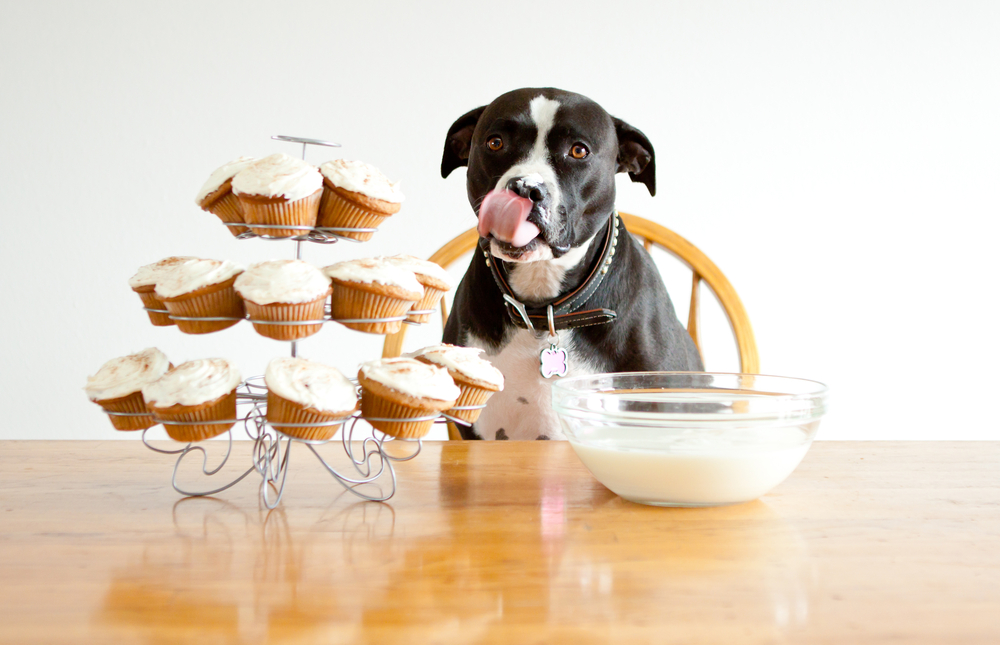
x=822 y=390
x=811 y=403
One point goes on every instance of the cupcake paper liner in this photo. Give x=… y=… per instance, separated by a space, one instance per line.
x=220 y=302
x=150 y=300
x=355 y=303
x=281 y=410
x=301 y=212
x=430 y=301
x=228 y=209
x=130 y=404
x=335 y=211
x=471 y=395
x=313 y=310
x=220 y=409
x=377 y=407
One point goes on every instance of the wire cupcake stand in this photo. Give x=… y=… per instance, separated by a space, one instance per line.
x=371 y=475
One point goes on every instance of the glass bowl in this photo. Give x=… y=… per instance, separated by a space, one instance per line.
x=689 y=438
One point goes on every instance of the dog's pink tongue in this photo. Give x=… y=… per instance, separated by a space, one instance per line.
x=505 y=214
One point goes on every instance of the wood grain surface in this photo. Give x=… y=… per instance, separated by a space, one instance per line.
x=499 y=542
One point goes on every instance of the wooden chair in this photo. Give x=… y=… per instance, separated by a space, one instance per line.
x=652 y=234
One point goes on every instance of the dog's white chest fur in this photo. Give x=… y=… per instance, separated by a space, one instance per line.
x=523 y=409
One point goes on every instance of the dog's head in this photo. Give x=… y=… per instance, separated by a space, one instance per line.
x=541 y=169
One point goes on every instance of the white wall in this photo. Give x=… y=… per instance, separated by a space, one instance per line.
x=839 y=161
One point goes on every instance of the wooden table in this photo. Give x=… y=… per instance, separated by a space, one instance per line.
x=499 y=543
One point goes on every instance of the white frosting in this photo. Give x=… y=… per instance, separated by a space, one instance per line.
x=220 y=175
x=464 y=360
x=127 y=374
x=421 y=267
x=313 y=385
x=152 y=273
x=410 y=376
x=192 y=383
x=359 y=177
x=195 y=274
x=378 y=270
x=278 y=176
x=286 y=281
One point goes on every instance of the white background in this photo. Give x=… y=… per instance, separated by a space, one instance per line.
x=838 y=160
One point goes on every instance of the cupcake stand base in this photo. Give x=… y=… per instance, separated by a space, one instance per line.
x=373 y=479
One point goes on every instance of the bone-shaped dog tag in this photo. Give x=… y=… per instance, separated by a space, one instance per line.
x=554 y=361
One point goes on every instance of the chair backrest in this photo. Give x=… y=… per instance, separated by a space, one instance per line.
x=651 y=234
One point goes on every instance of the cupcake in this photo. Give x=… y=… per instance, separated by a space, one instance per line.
x=372 y=288
x=301 y=391
x=202 y=289
x=144 y=284
x=279 y=190
x=217 y=197
x=434 y=279
x=117 y=387
x=191 y=398
x=475 y=376
x=284 y=290
x=356 y=195
x=403 y=389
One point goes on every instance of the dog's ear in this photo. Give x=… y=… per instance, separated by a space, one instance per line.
x=635 y=155
x=459 y=141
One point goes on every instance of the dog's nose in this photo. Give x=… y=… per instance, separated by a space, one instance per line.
x=529 y=190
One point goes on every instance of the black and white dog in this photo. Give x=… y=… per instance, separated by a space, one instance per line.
x=558 y=286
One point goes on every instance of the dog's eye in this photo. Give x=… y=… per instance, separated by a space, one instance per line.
x=579 y=151
x=494 y=143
